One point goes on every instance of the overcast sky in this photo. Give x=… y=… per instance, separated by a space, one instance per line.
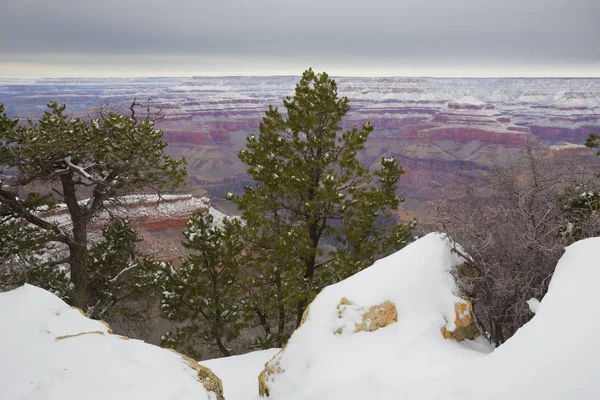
x=344 y=37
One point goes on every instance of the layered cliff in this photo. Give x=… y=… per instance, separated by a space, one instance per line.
x=433 y=125
x=160 y=220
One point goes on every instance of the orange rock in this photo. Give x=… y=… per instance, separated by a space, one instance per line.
x=378 y=316
x=463 y=321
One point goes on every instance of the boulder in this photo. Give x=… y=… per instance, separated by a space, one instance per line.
x=463 y=326
x=371 y=319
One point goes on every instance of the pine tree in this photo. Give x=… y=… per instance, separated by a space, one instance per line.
x=205 y=292
x=593 y=141
x=117 y=269
x=24 y=256
x=580 y=206
x=100 y=159
x=316 y=213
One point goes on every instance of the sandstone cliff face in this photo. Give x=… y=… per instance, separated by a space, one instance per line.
x=161 y=224
x=160 y=221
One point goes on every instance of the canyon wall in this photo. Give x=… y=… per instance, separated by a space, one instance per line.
x=435 y=127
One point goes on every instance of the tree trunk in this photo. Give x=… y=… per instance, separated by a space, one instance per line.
x=498 y=335
x=79 y=261
x=224 y=351
x=314 y=233
x=280 y=310
x=78 y=251
x=303 y=302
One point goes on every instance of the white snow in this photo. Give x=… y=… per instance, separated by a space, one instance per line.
x=556 y=355
x=35 y=365
x=568 y=145
x=144 y=206
x=319 y=364
x=553 y=357
x=240 y=373
x=533 y=304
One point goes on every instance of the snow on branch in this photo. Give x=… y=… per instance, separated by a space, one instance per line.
x=79 y=169
x=124 y=271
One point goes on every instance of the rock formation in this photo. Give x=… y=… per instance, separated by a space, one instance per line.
x=370 y=319
x=463 y=326
x=434 y=126
x=160 y=221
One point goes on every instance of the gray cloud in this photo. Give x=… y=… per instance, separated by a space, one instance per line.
x=427 y=31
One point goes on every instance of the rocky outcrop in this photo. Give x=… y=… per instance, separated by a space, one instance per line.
x=463 y=327
x=569 y=150
x=159 y=221
x=361 y=318
x=268 y=374
x=371 y=319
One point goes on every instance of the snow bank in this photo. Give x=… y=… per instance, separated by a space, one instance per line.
x=239 y=373
x=327 y=357
x=50 y=351
x=553 y=357
x=556 y=355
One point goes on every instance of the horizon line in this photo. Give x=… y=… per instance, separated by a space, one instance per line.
x=299 y=75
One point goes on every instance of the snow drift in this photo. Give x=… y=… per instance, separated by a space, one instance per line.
x=555 y=356
x=239 y=372
x=50 y=351
x=380 y=328
x=377 y=335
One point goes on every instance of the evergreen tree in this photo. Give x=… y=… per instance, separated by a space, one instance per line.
x=316 y=214
x=581 y=212
x=593 y=141
x=100 y=160
x=117 y=270
x=205 y=291
x=24 y=255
